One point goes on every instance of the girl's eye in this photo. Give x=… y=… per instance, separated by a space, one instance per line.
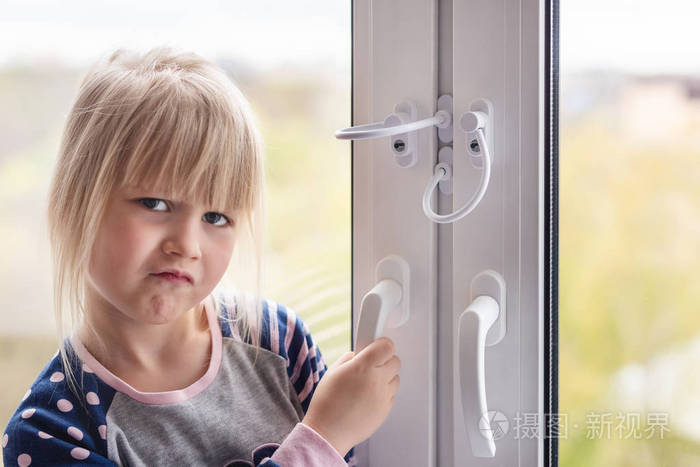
x=150 y=201
x=213 y=216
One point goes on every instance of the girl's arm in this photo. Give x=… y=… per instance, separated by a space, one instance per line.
x=38 y=436
x=305 y=368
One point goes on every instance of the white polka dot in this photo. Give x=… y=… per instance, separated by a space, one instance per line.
x=87 y=369
x=75 y=433
x=44 y=435
x=56 y=377
x=92 y=398
x=79 y=453
x=28 y=413
x=4 y=440
x=24 y=460
x=64 y=405
x=103 y=431
x=26 y=394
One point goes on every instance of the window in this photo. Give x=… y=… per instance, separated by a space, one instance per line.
x=298 y=86
x=630 y=219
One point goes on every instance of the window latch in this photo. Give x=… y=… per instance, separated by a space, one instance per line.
x=402 y=126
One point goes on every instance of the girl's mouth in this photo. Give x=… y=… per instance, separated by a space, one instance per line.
x=172 y=278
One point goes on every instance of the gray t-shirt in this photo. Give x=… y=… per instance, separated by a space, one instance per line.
x=240 y=413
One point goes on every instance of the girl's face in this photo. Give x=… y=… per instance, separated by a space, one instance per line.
x=142 y=234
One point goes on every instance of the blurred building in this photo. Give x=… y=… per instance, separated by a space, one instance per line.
x=647 y=112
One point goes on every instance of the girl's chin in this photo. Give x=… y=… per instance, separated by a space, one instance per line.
x=164 y=308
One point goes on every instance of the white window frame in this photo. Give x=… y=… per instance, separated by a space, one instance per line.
x=403 y=49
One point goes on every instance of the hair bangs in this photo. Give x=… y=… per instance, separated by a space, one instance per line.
x=189 y=146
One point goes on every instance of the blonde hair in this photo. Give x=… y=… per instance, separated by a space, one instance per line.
x=168 y=118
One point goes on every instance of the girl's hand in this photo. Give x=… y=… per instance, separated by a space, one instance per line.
x=355 y=395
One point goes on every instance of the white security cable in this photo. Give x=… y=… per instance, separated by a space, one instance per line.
x=441 y=119
x=443 y=172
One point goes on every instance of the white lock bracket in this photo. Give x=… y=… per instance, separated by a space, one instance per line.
x=480 y=115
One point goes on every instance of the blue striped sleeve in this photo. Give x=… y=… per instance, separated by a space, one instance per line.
x=285 y=333
x=292 y=339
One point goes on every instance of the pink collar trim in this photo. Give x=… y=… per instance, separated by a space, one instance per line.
x=90 y=364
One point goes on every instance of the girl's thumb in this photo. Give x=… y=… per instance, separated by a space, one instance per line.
x=343 y=358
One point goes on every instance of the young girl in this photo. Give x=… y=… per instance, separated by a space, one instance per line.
x=159 y=166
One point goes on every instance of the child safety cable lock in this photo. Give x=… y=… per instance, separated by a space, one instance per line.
x=402 y=126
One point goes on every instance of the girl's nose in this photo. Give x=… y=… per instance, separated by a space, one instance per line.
x=183 y=240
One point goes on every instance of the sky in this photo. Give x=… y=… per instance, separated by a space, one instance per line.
x=627 y=35
x=640 y=36
x=262 y=32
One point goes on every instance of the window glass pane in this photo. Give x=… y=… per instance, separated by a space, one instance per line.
x=290 y=59
x=629 y=233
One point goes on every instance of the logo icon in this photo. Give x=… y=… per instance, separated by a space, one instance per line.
x=493 y=424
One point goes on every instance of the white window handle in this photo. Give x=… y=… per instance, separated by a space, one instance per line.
x=375 y=307
x=391 y=293
x=473 y=325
